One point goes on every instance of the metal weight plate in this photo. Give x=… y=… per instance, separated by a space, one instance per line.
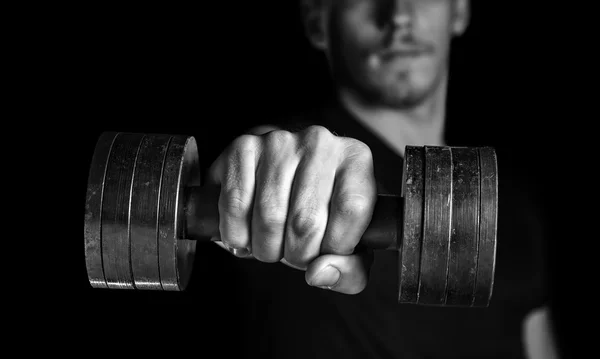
x=93 y=210
x=176 y=254
x=487 y=227
x=462 y=265
x=412 y=227
x=115 y=211
x=436 y=225
x=145 y=194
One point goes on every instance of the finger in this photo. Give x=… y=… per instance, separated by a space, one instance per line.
x=240 y=253
x=237 y=180
x=353 y=201
x=283 y=261
x=309 y=203
x=274 y=179
x=342 y=274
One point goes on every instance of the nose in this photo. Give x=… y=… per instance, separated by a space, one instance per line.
x=402 y=13
x=397 y=13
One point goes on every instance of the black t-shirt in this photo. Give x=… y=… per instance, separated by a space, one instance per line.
x=286 y=318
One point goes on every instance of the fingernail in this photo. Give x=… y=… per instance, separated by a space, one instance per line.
x=327 y=277
x=238 y=252
x=241 y=252
x=291 y=265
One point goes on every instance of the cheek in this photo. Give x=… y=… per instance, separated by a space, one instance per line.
x=425 y=71
x=358 y=43
x=360 y=30
x=434 y=23
x=361 y=40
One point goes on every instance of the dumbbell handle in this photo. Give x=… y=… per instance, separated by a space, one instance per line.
x=202 y=218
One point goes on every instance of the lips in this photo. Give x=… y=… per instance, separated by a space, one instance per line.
x=387 y=55
x=399 y=52
x=404 y=51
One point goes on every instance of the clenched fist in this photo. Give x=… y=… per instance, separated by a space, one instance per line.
x=303 y=198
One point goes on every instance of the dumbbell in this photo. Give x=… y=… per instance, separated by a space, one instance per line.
x=146 y=209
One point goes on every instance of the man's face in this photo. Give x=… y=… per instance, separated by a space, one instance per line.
x=391 y=52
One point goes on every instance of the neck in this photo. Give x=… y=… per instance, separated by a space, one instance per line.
x=398 y=128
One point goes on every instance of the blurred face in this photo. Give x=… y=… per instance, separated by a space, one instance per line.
x=390 y=52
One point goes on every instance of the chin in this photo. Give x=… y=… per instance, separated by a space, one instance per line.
x=401 y=94
x=405 y=89
x=402 y=101
x=391 y=86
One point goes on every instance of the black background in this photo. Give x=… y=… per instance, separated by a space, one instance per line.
x=215 y=69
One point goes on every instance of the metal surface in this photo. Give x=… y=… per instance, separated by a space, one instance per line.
x=144 y=211
x=93 y=210
x=464 y=237
x=115 y=211
x=409 y=257
x=486 y=263
x=176 y=253
x=436 y=225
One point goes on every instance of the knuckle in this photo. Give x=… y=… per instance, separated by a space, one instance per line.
x=306 y=223
x=234 y=202
x=355 y=206
x=317 y=134
x=278 y=139
x=358 y=150
x=244 y=143
x=317 y=130
x=269 y=218
x=241 y=149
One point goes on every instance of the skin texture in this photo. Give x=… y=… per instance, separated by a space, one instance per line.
x=303 y=198
x=392 y=53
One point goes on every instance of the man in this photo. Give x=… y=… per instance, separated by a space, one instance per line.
x=302 y=195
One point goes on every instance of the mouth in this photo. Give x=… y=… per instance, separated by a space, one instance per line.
x=399 y=53
x=403 y=52
x=404 y=49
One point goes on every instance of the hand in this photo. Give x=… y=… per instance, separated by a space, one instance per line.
x=304 y=199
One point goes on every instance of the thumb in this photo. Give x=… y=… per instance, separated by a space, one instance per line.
x=346 y=274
